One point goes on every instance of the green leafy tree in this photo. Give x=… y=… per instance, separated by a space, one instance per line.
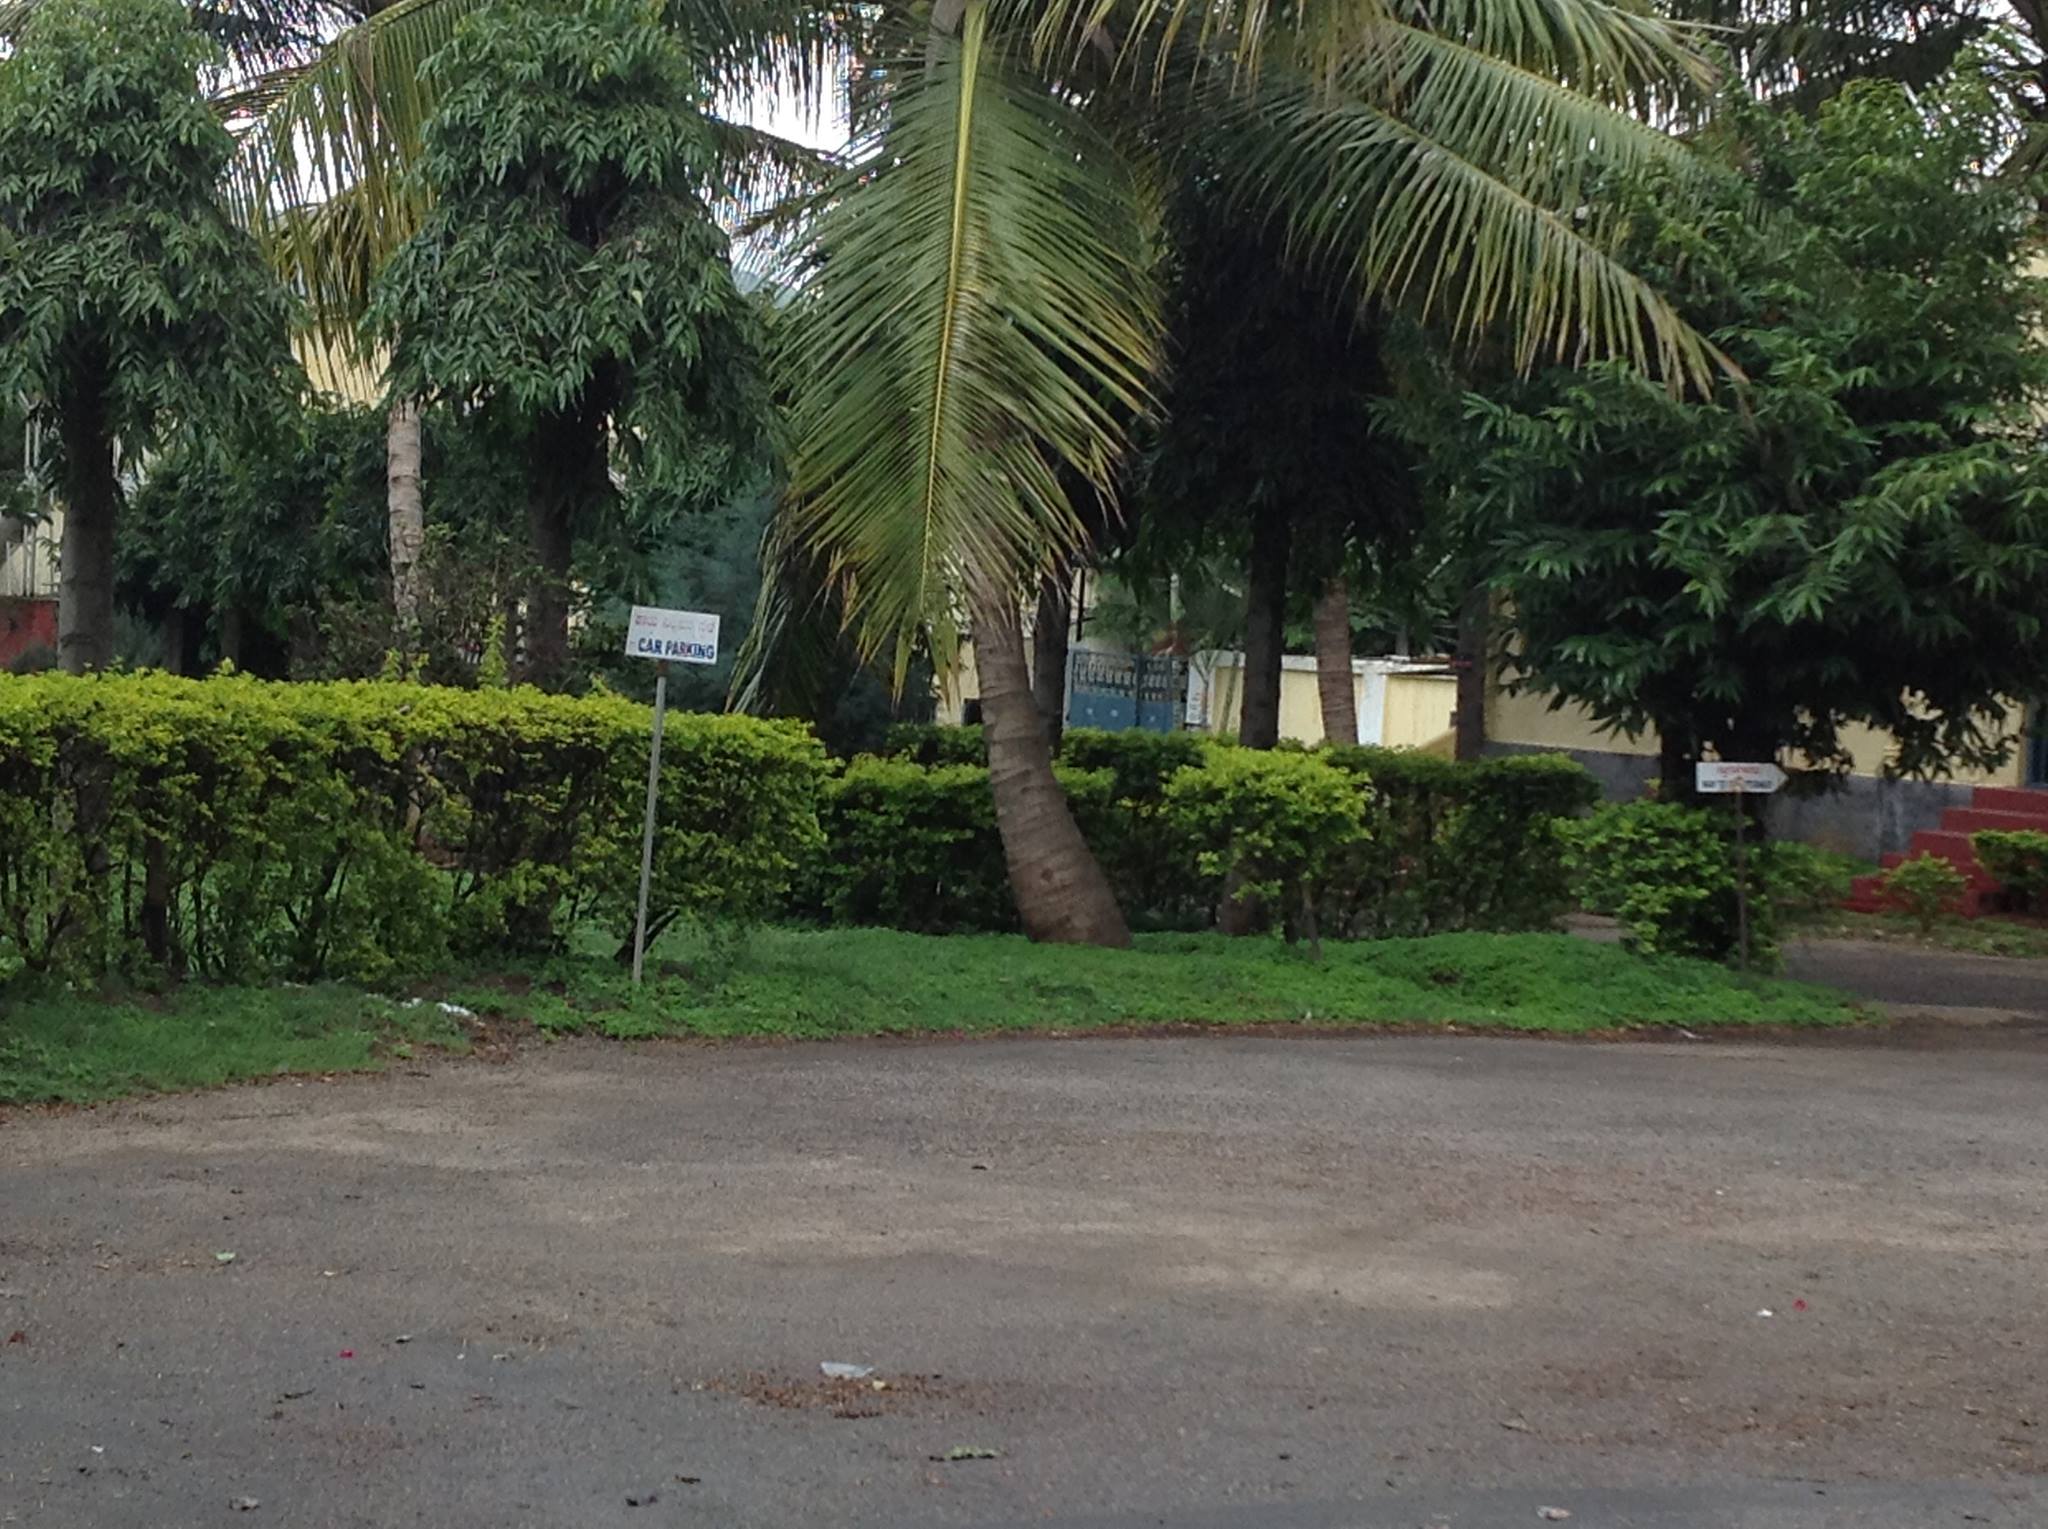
x=231 y=545
x=570 y=281
x=1854 y=532
x=128 y=298
x=1269 y=448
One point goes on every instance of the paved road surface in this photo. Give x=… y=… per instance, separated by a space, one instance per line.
x=1215 y=1283
x=1905 y=977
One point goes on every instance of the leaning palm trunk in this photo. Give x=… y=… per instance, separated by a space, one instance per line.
x=406 y=512
x=1062 y=894
x=1333 y=662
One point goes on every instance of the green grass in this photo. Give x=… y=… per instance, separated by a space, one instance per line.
x=1976 y=936
x=849 y=982
x=75 y=1048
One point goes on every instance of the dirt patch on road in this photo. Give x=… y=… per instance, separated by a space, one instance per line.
x=869 y=1397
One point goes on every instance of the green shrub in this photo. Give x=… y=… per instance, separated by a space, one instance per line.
x=1804 y=878
x=1271 y=825
x=935 y=743
x=1926 y=886
x=1140 y=762
x=2018 y=860
x=235 y=828
x=1667 y=873
x=1459 y=845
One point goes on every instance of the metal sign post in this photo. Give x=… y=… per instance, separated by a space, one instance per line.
x=1721 y=777
x=689 y=637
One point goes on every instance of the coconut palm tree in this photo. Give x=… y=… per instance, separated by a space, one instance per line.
x=979 y=322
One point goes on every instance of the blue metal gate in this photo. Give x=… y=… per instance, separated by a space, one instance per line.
x=1120 y=691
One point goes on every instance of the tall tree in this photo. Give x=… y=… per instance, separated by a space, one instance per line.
x=570 y=280
x=1855 y=531
x=127 y=296
x=1269 y=447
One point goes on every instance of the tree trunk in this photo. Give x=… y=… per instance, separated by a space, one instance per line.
x=92 y=497
x=547 y=599
x=232 y=629
x=1676 y=755
x=405 y=509
x=1333 y=662
x=1049 y=638
x=1062 y=895
x=1474 y=672
x=1258 y=724
x=568 y=470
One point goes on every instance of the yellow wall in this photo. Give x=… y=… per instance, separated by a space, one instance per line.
x=1415 y=712
x=1419 y=708
x=1528 y=720
x=1416 y=709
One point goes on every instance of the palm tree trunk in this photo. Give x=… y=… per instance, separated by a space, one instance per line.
x=1468 y=739
x=1049 y=638
x=92 y=497
x=1258 y=724
x=405 y=509
x=1062 y=895
x=1333 y=662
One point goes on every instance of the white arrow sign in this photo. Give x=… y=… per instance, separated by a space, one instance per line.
x=1713 y=777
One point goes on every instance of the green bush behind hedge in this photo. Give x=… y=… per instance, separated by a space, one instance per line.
x=235 y=828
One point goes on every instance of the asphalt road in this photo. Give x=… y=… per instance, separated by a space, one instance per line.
x=1908 y=978
x=1216 y=1283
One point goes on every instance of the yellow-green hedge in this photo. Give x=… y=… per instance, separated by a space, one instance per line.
x=231 y=827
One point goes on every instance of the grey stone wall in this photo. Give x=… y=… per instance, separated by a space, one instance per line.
x=1864 y=816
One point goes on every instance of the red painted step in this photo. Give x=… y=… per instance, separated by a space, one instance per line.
x=1950 y=846
x=2011 y=807
x=1972 y=819
x=2021 y=799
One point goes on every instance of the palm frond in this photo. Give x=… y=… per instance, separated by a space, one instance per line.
x=978 y=317
x=321 y=169
x=1610 y=49
x=1437 y=173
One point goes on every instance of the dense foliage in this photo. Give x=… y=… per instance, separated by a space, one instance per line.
x=1853 y=531
x=572 y=284
x=2017 y=859
x=128 y=299
x=235 y=828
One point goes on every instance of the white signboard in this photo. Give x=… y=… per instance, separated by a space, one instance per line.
x=684 y=637
x=1720 y=776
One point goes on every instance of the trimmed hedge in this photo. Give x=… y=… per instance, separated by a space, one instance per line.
x=236 y=828
x=1443 y=845
x=1451 y=845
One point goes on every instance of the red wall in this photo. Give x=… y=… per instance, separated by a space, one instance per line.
x=26 y=623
